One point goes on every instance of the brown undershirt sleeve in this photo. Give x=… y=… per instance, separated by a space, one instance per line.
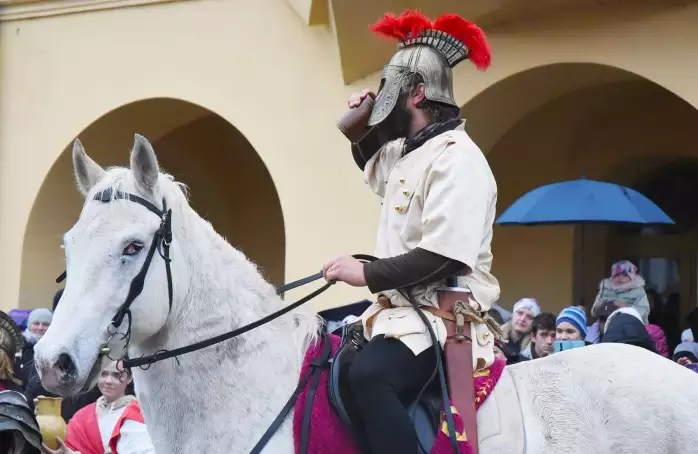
x=359 y=158
x=417 y=267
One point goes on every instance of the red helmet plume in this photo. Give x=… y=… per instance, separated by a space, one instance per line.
x=411 y=23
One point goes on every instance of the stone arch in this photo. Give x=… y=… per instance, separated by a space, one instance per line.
x=229 y=185
x=496 y=109
x=558 y=122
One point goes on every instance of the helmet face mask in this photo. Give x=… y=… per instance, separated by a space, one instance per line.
x=394 y=77
x=398 y=75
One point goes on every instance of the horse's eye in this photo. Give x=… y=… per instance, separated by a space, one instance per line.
x=132 y=249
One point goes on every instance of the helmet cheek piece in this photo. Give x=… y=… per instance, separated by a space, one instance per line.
x=18 y=419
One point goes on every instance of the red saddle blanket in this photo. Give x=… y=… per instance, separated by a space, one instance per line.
x=327 y=433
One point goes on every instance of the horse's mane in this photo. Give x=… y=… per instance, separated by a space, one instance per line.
x=307 y=324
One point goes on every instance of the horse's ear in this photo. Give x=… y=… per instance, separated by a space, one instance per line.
x=87 y=172
x=144 y=164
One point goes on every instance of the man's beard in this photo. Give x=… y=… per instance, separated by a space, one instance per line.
x=397 y=124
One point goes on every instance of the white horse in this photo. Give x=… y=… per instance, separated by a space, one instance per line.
x=600 y=399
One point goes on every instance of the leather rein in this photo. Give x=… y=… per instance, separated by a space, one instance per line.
x=161 y=243
x=162 y=240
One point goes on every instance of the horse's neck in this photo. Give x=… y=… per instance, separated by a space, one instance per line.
x=225 y=292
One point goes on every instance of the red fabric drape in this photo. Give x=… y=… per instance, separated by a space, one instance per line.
x=132 y=412
x=83 y=431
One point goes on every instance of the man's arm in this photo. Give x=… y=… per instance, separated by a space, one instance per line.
x=417 y=267
x=456 y=204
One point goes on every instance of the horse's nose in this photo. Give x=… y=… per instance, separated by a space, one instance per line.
x=66 y=365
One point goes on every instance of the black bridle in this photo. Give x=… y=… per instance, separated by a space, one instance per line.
x=161 y=243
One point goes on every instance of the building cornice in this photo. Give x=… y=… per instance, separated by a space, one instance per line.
x=30 y=9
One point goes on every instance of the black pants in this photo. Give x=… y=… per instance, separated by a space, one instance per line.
x=384 y=378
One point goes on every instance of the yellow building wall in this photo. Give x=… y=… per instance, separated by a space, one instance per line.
x=278 y=82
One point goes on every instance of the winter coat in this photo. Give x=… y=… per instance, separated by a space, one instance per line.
x=513 y=350
x=624 y=328
x=658 y=337
x=629 y=294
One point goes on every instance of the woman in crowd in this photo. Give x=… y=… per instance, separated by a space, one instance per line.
x=38 y=322
x=517 y=332
x=113 y=424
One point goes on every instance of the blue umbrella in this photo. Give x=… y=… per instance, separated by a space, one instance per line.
x=583 y=201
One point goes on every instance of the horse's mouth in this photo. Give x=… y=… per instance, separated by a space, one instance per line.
x=61 y=384
x=70 y=383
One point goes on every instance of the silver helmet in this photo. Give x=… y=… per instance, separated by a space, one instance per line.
x=430 y=49
x=19 y=430
x=11 y=339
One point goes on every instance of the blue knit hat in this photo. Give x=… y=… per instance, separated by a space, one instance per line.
x=40 y=315
x=576 y=317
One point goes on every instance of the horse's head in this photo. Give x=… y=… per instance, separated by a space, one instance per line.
x=119 y=240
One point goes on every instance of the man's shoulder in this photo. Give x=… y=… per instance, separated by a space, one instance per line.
x=458 y=146
x=458 y=152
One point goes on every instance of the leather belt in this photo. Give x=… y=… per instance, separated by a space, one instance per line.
x=446 y=315
x=385 y=303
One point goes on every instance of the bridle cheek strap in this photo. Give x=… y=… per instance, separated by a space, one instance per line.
x=136 y=285
x=162 y=241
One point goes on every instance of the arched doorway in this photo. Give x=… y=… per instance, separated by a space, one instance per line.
x=229 y=186
x=560 y=122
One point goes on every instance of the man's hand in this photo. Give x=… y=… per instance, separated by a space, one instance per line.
x=684 y=361
x=345 y=269
x=62 y=448
x=356 y=99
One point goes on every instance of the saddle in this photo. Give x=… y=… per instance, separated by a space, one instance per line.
x=425 y=413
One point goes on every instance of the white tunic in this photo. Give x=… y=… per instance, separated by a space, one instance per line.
x=133 y=439
x=440 y=197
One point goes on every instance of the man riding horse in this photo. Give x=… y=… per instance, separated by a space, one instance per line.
x=438 y=207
